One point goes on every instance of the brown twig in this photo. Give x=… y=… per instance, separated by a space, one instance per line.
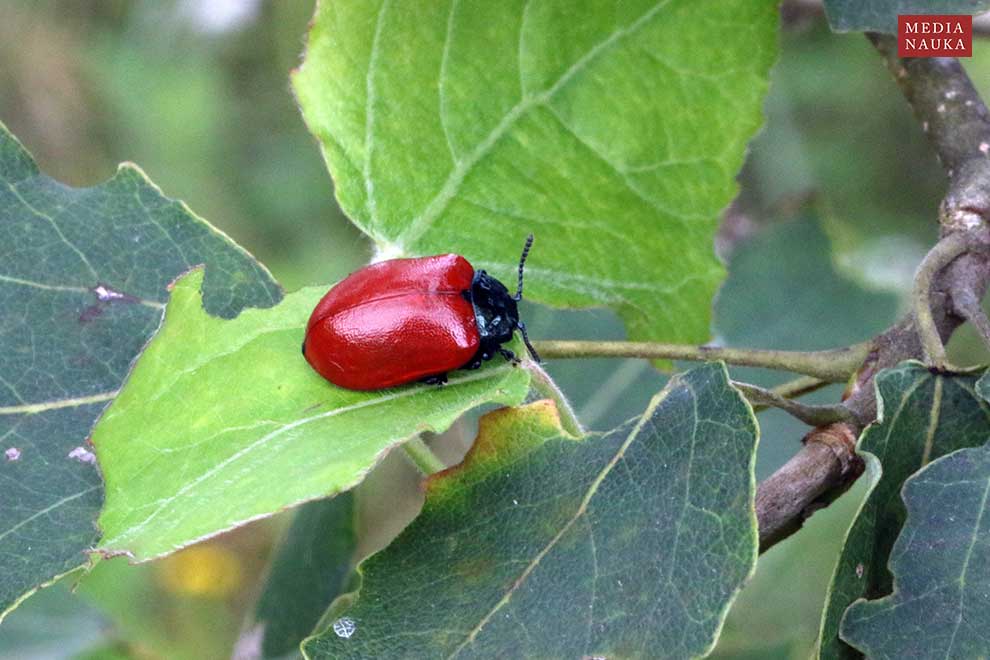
x=810 y=415
x=825 y=467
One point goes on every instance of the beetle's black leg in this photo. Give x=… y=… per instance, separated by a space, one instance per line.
x=529 y=347
x=304 y=349
x=508 y=355
x=478 y=359
x=438 y=379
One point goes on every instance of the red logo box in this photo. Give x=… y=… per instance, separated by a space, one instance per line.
x=934 y=35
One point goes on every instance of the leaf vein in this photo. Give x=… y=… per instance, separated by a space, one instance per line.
x=45 y=406
x=620 y=172
x=438 y=204
x=933 y=420
x=965 y=568
x=47 y=509
x=444 y=58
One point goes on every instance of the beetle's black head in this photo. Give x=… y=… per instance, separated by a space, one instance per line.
x=496 y=311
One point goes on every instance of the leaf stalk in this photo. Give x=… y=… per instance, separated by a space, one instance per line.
x=833 y=366
x=423 y=457
x=544 y=384
x=940 y=256
x=810 y=415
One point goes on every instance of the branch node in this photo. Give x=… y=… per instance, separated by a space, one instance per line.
x=841 y=439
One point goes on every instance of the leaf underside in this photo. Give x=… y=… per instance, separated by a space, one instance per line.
x=626 y=544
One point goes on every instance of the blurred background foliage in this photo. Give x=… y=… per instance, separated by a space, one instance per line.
x=837 y=206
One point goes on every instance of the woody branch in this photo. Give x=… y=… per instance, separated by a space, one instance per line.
x=950 y=283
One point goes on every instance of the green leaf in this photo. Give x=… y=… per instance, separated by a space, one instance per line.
x=223 y=422
x=939 y=607
x=83 y=277
x=309 y=569
x=613 y=133
x=626 y=544
x=881 y=15
x=921 y=416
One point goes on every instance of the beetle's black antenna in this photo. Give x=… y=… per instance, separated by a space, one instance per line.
x=522 y=262
x=529 y=347
x=518 y=296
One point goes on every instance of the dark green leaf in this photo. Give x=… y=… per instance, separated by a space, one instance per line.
x=309 y=569
x=881 y=15
x=612 y=131
x=627 y=544
x=922 y=416
x=940 y=607
x=83 y=282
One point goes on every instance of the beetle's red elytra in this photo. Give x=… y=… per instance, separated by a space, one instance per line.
x=407 y=320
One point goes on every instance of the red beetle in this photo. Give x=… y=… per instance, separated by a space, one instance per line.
x=405 y=320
